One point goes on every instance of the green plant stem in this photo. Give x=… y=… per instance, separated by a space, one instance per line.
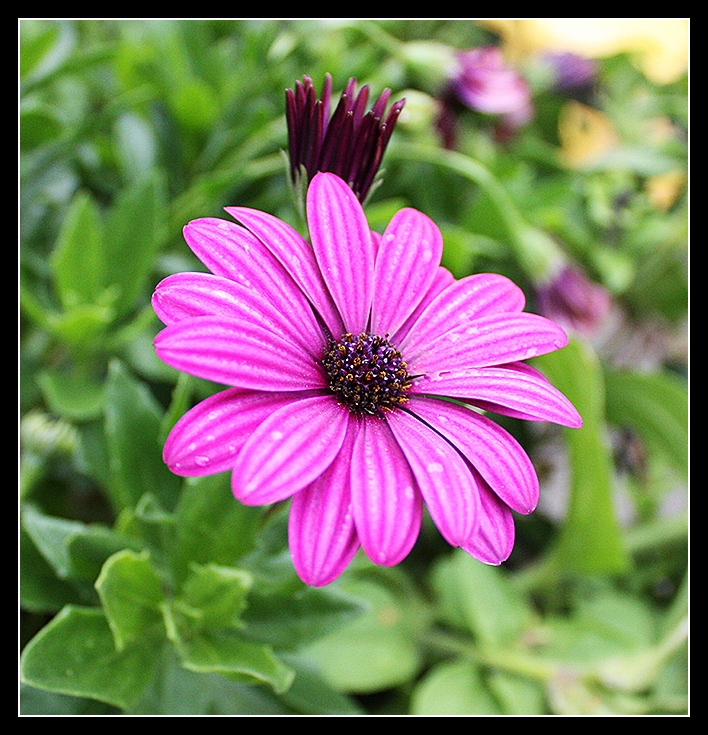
x=535 y=251
x=512 y=661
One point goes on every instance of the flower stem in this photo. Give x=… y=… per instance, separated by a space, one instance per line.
x=536 y=251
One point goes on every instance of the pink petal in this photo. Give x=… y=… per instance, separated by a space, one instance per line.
x=489 y=340
x=514 y=390
x=470 y=298
x=406 y=265
x=489 y=448
x=321 y=532
x=448 y=486
x=237 y=353
x=443 y=278
x=186 y=295
x=386 y=503
x=343 y=246
x=231 y=251
x=207 y=438
x=296 y=255
x=289 y=450
x=493 y=541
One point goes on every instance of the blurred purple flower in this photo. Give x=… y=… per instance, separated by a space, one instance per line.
x=574 y=301
x=343 y=355
x=484 y=82
x=571 y=71
x=350 y=144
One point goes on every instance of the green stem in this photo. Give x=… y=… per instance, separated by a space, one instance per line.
x=514 y=662
x=536 y=252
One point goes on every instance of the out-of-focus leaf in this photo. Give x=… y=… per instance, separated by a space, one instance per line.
x=75 y=394
x=310 y=694
x=656 y=406
x=133 y=233
x=476 y=597
x=41 y=590
x=76 y=551
x=132 y=423
x=376 y=651
x=292 y=619
x=77 y=260
x=453 y=688
x=38 y=125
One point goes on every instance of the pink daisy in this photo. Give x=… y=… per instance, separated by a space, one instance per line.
x=342 y=356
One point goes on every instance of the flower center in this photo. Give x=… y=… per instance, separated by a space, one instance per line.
x=367 y=373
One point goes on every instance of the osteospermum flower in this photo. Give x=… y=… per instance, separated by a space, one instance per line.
x=342 y=356
x=484 y=82
x=350 y=144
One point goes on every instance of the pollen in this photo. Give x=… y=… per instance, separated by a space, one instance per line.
x=367 y=373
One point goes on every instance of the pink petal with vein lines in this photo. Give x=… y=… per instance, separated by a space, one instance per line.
x=448 y=486
x=489 y=448
x=186 y=295
x=321 y=532
x=510 y=389
x=344 y=247
x=493 y=541
x=237 y=353
x=409 y=253
x=289 y=450
x=207 y=438
x=482 y=294
x=490 y=340
x=386 y=503
x=296 y=255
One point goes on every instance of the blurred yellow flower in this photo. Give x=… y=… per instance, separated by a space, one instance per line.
x=659 y=45
x=584 y=133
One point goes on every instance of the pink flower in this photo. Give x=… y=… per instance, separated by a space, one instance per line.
x=341 y=355
x=484 y=82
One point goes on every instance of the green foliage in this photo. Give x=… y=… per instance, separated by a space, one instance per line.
x=144 y=593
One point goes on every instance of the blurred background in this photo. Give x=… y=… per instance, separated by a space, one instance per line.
x=552 y=151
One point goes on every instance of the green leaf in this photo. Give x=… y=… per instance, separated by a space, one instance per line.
x=77 y=260
x=211 y=526
x=291 y=619
x=178 y=691
x=131 y=594
x=81 y=323
x=75 y=393
x=453 y=688
x=133 y=233
x=75 y=654
x=478 y=598
x=76 y=551
x=376 y=651
x=39 y=124
x=223 y=651
x=215 y=596
x=590 y=539
x=40 y=588
x=656 y=406
x=310 y=694
x=132 y=423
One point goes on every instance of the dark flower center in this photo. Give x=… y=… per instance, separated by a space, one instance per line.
x=367 y=373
